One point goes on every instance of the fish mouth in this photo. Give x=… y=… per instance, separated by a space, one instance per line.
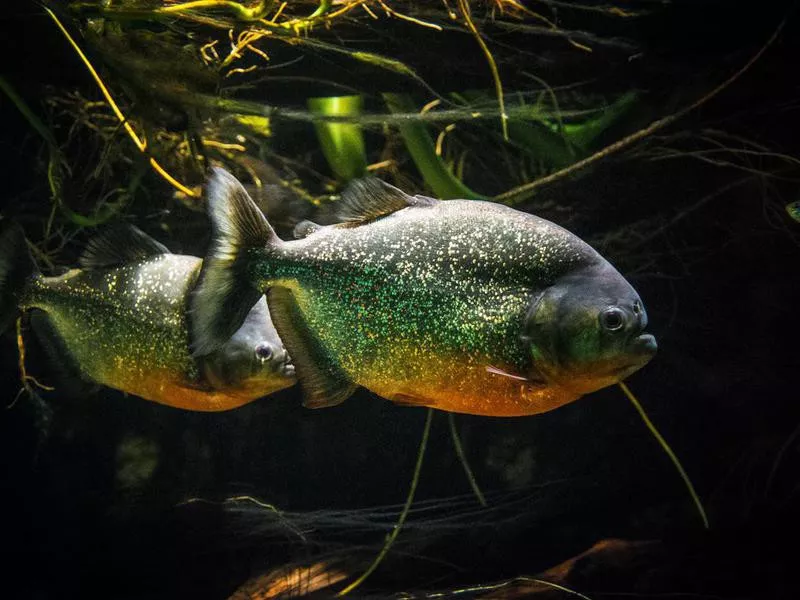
x=283 y=365
x=642 y=348
x=645 y=344
x=286 y=368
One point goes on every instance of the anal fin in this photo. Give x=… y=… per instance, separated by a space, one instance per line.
x=409 y=400
x=324 y=383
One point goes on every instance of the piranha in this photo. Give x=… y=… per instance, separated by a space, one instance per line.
x=459 y=305
x=122 y=321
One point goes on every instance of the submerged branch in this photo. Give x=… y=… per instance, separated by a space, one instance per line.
x=526 y=190
x=668 y=450
x=520 y=111
x=423 y=444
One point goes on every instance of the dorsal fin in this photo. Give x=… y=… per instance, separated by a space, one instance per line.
x=305 y=229
x=370 y=198
x=119 y=244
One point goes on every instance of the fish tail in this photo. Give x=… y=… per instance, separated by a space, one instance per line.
x=226 y=292
x=16 y=270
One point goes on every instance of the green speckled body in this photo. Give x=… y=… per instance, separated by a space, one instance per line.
x=421 y=305
x=126 y=327
x=126 y=322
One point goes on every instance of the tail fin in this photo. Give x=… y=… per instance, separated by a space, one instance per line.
x=225 y=294
x=16 y=266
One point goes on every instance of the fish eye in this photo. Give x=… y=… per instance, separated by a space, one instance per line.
x=263 y=352
x=612 y=319
x=637 y=307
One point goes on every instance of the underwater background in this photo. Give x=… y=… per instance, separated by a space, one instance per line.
x=109 y=495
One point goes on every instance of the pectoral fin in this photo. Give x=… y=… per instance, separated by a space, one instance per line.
x=324 y=383
x=501 y=373
x=533 y=379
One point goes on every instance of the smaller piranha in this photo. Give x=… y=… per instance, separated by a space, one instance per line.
x=122 y=321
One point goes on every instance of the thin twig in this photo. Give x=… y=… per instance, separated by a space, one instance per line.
x=498 y=84
x=526 y=189
x=666 y=447
x=473 y=483
x=390 y=538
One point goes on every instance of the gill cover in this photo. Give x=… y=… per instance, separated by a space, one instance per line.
x=584 y=331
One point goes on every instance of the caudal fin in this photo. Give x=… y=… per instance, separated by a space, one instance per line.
x=225 y=294
x=16 y=266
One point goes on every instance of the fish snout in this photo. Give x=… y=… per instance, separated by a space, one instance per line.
x=284 y=363
x=645 y=345
x=639 y=316
x=642 y=344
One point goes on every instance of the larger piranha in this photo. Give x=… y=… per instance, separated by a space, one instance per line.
x=122 y=321
x=460 y=305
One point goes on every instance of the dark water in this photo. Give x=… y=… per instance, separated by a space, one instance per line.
x=95 y=484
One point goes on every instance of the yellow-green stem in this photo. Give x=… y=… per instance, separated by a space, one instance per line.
x=462 y=457
x=390 y=538
x=665 y=446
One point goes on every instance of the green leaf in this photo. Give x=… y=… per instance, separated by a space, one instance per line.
x=341 y=143
x=421 y=148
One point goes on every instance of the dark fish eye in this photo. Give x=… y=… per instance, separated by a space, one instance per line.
x=263 y=352
x=612 y=319
x=637 y=307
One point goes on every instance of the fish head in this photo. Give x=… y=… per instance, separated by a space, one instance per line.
x=254 y=359
x=586 y=331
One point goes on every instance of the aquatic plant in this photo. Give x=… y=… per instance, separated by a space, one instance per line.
x=202 y=82
x=537 y=105
x=184 y=102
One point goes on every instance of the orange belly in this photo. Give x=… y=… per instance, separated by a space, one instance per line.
x=163 y=387
x=472 y=389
